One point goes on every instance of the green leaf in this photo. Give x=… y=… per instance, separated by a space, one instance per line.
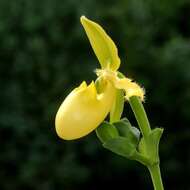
x=117 y=108
x=121 y=146
x=150 y=147
x=102 y=44
x=106 y=131
x=126 y=130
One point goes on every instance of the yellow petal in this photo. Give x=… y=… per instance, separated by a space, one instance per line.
x=130 y=88
x=83 y=110
x=133 y=89
x=82 y=86
x=102 y=44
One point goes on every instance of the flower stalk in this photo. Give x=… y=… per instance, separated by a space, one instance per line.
x=156 y=177
x=144 y=126
x=140 y=115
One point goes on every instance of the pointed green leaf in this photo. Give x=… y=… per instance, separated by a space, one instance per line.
x=102 y=44
x=106 y=131
x=117 y=108
x=150 y=147
x=155 y=136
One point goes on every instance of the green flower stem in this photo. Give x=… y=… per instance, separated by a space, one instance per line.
x=140 y=115
x=156 y=177
x=144 y=126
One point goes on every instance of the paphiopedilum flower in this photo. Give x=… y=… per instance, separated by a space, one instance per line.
x=86 y=107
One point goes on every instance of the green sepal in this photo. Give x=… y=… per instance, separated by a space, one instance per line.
x=126 y=130
x=118 y=105
x=150 y=147
x=106 y=131
x=121 y=146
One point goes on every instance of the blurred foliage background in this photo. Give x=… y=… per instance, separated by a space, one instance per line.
x=44 y=54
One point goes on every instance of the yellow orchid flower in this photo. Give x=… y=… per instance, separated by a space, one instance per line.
x=107 y=54
x=86 y=107
x=83 y=110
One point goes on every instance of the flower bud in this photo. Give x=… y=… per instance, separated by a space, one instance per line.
x=83 y=110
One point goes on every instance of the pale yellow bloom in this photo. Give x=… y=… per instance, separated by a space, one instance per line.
x=83 y=110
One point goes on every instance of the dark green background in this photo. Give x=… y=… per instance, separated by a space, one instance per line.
x=44 y=54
